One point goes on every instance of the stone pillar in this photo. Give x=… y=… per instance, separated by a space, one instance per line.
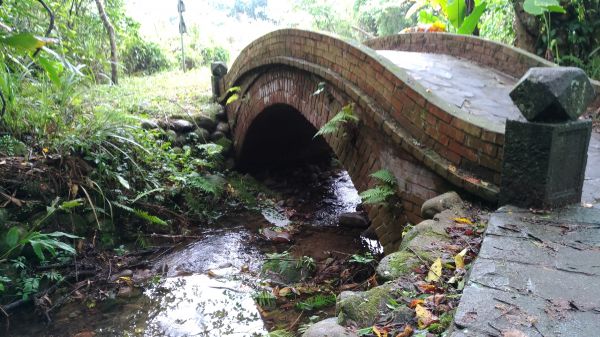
x=218 y=70
x=545 y=157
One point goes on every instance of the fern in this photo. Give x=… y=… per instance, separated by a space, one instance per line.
x=210 y=184
x=345 y=115
x=264 y=299
x=141 y=214
x=281 y=333
x=316 y=302
x=385 y=176
x=378 y=194
x=232 y=99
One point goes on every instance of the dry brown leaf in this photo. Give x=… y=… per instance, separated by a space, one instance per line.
x=415 y=302
x=408 y=331
x=424 y=317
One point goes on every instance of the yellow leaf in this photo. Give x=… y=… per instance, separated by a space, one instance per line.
x=459 y=259
x=435 y=271
x=463 y=221
x=424 y=317
x=380 y=333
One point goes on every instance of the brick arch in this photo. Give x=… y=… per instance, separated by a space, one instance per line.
x=403 y=127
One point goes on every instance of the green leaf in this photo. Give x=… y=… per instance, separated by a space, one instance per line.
x=26 y=41
x=53 y=69
x=232 y=99
x=67 y=205
x=530 y=7
x=37 y=249
x=455 y=11
x=233 y=90
x=471 y=21
x=62 y=234
x=12 y=237
x=66 y=247
x=556 y=9
x=123 y=182
x=150 y=218
x=426 y=18
x=385 y=176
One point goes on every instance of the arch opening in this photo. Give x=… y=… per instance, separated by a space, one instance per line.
x=280 y=136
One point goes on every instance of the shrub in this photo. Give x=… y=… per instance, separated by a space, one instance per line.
x=214 y=54
x=141 y=57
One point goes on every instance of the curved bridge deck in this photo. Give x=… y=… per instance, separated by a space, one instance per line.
x=477 y=90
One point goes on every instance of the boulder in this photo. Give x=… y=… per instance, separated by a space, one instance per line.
x=442 y=202
x=148 y=124
x=553 y=94
x=205 y=123
x=203 y=135
x=328 y=328
x=221 y=116
x=363 y=308
x=353 y=220
x=223 y=127
x=215 y=136
x=181 y=126
x=396 y=265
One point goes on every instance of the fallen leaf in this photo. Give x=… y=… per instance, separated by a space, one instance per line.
x=408 y=331
x=211 y=274
x=415 y=302
x=435 y=271
x=349 y=286
x=463 y=221
x=426 y=288
x=424 y=317
x=459 y=259
x=285 y=291
x=380 y=332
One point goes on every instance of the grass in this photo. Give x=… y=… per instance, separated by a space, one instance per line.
x=167 y=93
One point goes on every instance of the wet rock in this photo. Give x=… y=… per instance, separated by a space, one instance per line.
x=125 y=292
x=276 y=236
x=428 y=226
x=221 y=115
x=353 y=220
x=181 y=126
x=142 y=275
x=364 y=308
x=215 y=136
x=223 y=127
x=124 y=273
x=551 y=94
x=397 y=264
x=205 y=123
x=442 y=202
x=369 y=233
x=203 y=135
x=328 y=328
x=148 y=124
x=85 y=334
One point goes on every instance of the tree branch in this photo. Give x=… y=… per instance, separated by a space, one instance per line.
x=50 y=26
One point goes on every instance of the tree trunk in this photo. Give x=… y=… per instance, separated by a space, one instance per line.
x=527 y=28
x=113 y=44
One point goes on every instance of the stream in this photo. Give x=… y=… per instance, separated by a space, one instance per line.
x=207 y=285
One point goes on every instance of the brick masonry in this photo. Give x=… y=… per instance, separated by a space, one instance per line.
x=430 y=147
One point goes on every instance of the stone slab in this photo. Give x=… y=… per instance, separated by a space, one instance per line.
x=537 y=274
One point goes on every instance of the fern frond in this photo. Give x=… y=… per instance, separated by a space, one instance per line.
x=281 y=333
x=233 y=90
x=209 y=184
x=385 y=176
x=346 y=115
x=232 y=99
x=316 y=302
x=153 y=219
x=377 y=194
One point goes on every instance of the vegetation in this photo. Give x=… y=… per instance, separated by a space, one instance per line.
x=384 y=191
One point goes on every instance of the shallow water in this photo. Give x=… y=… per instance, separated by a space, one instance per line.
x=207 y=290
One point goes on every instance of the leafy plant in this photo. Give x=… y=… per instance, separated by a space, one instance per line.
x=453 y=11
x=265 y=299
x=344 y=116
x=367 y=258
x=281 y=333
x=545 y=8
x=316 y=302
x=383 y=191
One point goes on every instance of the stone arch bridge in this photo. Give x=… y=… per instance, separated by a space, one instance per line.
x=431 y=107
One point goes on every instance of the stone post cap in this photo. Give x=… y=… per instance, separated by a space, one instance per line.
x=553 y=94
x=218 y=69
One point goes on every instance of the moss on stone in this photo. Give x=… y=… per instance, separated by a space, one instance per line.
x=363 y=307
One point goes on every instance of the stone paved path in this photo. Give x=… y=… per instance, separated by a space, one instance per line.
x=536 y=274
